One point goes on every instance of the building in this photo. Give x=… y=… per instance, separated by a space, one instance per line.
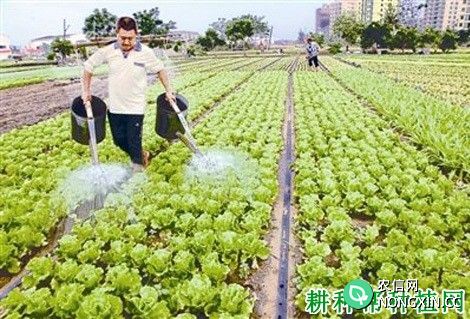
x=447 y=14
x=456 y=15
x=5 y=47
x=328 y=13
x=464 y=20
x=352 y=7
x=374 y=10
x=40 y=46
x=186 y=36
x=335 y=11
x=411 y=12
x=326 y=17
x=322 y=21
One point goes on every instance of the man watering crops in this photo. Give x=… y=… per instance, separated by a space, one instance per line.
x=312 y=54
x=128 y=60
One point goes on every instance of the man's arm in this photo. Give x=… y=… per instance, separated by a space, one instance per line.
x=86 y=86
x=95 y=60
x=163 y=77
x=155 y=65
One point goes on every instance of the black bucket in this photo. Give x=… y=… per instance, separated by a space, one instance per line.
x=167 y=123
x=80 y=131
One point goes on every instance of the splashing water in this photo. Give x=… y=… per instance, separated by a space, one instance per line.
x=92 y=184
x=217 y=164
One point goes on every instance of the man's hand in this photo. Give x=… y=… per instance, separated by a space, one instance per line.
x=170 y=96
x=86 y=97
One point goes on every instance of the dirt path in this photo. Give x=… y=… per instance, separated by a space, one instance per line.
x=273 y=282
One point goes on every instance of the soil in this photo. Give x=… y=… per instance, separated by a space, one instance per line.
x=34 y=103
x=265 y=281
x=31 y=104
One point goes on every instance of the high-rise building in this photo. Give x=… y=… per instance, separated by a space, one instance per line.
x=322 y=21
x=353 y=7
x=335 y=12
x=374 y=10
x=411 y=12
x=434 y=14
x=326 y=17
x=447 y=14
x=456 y=15
x=464 y=18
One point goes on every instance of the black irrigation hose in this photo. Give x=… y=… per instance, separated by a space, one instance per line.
x=286 y=197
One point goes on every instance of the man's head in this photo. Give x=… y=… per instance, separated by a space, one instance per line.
x=126 y=30
x=309 y=40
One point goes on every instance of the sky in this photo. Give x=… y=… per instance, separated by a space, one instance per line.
x=22 y=21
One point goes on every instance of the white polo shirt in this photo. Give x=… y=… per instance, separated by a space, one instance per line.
x=127 y=79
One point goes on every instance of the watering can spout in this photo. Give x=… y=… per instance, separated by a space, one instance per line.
x=190 y=144
x=91 y=127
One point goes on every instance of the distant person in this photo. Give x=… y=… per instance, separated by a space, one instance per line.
x=129 y=61
x=312 y=54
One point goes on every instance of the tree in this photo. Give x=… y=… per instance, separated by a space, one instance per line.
x=150 y=24
x=100 y=23
x=301 y=37
x=464 y=36
x=239 y=29
x=210 y=40
x=63 y=47
x=430 y=37
x=390 y=18
x=260 y=27
x=220 y=26
x=177 y=46
x=375 y=34
x=449 y=41
x=348 y=28
x=404 y=38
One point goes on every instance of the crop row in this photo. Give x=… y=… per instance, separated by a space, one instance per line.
x=35 y=158
x=370 y=206
x=441 y=128
x=191 y=240
x=461 y=58
x=18 y=79
x=448 y=83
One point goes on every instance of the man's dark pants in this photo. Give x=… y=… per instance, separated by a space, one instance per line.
x=127 y=134
x=313 y=61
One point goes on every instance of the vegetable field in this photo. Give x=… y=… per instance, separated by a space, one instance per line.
x=380 y=161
